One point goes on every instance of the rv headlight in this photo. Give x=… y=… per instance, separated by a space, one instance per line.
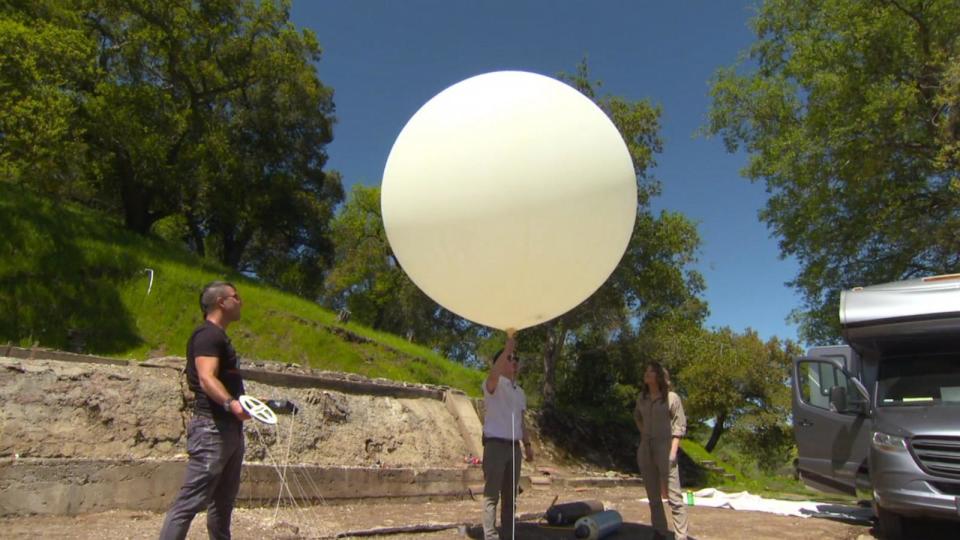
x=888 y=443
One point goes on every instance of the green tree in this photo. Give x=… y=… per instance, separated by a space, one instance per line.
x=208 y=115
x=653 y=279
x=765 y=432
x=367 y=280
x=43 y=64
x=733 y=379
x=849 y=113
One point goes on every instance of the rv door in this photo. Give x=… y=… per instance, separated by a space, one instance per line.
x=831 y=424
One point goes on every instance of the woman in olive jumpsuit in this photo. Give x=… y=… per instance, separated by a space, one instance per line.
x=660 y=419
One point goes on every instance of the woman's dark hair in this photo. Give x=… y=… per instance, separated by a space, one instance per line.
x=663 y=378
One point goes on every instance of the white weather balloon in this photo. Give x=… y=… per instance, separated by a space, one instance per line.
x=509 y=198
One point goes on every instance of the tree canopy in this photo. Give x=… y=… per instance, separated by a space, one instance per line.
x=367 y=280
x=43 y=65
x=850 y=113
x=206 y=118
x=653 y=281
x=733 y=379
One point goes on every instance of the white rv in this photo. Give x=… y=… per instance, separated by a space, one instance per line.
x=880 y=415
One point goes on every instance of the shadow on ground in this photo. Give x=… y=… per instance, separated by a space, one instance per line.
x=535 y=531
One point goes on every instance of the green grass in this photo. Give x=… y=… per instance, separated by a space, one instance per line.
x=752 y=480
x=73 y=278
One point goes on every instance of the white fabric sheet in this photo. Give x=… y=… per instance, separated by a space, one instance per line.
x=745 y=500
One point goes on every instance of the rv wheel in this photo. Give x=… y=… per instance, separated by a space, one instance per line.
x=891 y=525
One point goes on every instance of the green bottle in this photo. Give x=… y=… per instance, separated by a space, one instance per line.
x=689 y=498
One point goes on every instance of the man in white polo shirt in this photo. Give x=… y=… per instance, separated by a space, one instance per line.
x=503 y=430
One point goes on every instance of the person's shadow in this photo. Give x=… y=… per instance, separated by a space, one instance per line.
x=536 y=531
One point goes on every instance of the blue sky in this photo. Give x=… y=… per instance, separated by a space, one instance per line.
x=385 y=59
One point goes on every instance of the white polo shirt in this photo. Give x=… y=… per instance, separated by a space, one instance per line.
x=506 y=404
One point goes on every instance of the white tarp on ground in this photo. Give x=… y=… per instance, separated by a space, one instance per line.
x=744 y=500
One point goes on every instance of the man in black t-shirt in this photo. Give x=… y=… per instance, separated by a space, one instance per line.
x=215 y=433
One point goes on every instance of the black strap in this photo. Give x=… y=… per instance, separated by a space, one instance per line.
x=499 y=440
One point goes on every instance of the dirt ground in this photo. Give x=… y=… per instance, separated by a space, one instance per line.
x=328 y=521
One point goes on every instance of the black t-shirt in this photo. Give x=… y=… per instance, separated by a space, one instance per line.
x=210 y=340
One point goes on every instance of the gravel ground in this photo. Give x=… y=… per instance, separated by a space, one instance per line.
x=327 y=521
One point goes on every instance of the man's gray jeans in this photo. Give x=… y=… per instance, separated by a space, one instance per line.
x=501 y=475
x=212 y=479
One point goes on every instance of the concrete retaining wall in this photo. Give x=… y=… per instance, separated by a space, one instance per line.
x=346 y=383
x=74 y=486
x=70 y=486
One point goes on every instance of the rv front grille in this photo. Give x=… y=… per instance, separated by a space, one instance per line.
x=937 y=455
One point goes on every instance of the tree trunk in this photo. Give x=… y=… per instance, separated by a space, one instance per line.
x=196 y=235
x=717 y=431
x=555 y=339
x=134 y=217
x=234 y=242
x=134 y=197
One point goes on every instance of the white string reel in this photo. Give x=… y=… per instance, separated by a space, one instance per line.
x=258 y=410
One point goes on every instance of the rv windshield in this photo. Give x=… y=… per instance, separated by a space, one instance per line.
x=919 y=380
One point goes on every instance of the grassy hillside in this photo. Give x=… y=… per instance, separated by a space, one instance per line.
x=746 y=476
x=71 y=278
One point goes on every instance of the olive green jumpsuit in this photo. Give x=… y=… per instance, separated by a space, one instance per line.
x=659 y=420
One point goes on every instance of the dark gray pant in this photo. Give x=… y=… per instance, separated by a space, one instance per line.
x=212 y=480
x=501 y=475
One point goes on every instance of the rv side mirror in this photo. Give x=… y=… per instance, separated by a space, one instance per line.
x=838 y=399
